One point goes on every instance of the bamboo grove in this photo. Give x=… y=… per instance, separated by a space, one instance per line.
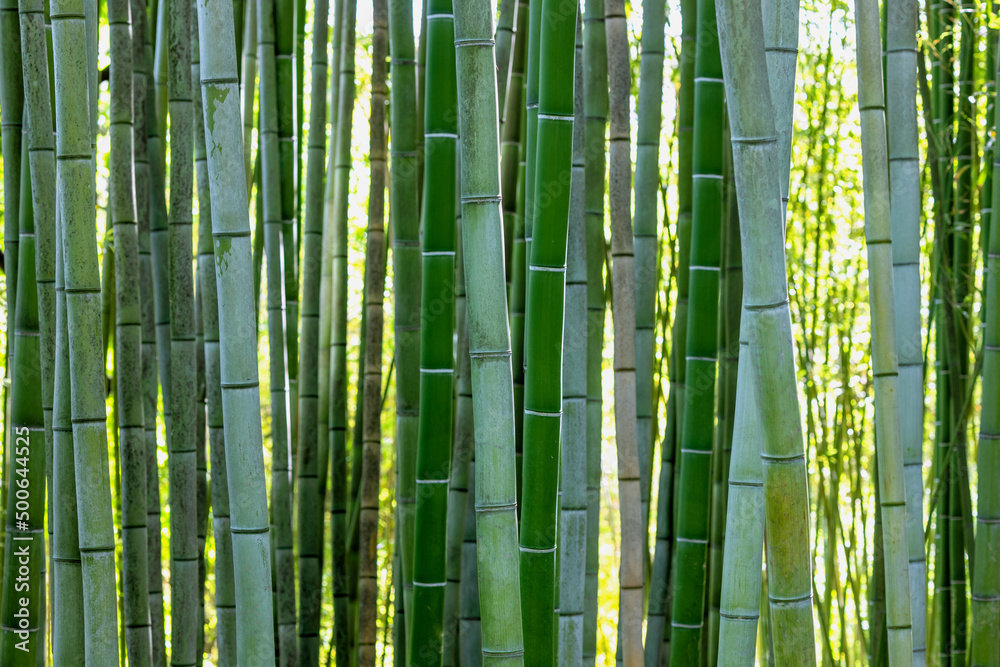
x=509 y=332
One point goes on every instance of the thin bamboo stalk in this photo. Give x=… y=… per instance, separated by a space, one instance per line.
x=248 y=76
x=630 y=574
x=489 y=343
x=504 y=39
x=372 y=384
x=595 y=109
x=310 y=517
x=11 y=118
x=404 y=196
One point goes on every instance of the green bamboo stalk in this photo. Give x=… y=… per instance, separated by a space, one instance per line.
x=337 y=417
x=470 y=636
x=739 y=611
x=436 y=354
x=75 y=186
x=159 y=62
x=157 y=245
x=543 y=354
x=22 y=613
x=785 y=485
x=504 y=39
x=182 y=461
x=530 y=162
x=406 y=260
x=11 y=118
x=208 y=299
x=889 y=449
x=697 y=432
x=128 y=338
x=248 y=76
x=489 y=343
x=630 y=574
x=238 y=337
x=285 y=105
x=310 y=517
x=275 y=169
x=511 y=138
x=371 y=453
x=904 y=192
x=595 y=109
x=573 y=455
x=458 y=481
x=41 y=157
x=647 y=177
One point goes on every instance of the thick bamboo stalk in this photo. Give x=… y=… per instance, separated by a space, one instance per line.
x=75 y=194
x=338 y=333
x=372 y=383
x=11 y=118
x=595 y=109
x=238 y=338
x=573 y=454
x=765 y=288
x=489 y=343
x=404 y=196
x=904 y=192
x=274 y=175
x=128 y=338
x=436 y=336
x=22 y=639
x=889 y=448
x=630 y=574
x=310 y=517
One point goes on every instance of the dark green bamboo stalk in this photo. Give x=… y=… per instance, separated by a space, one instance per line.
x=437 y=326
x=985 y=585
x=182 y=461
x=458 y=482
x=337 y=417
x=128 y=339
x=75 y=195
x=273 y=176
x=238 y=338
x=11 y=118
x=595 y=109
x=310 y=517
x=470 y=636
x=630 y=574
x=573 y=455
x=697 y=432
x=152 y=210
x=489 y=344
x=785 y=484
x=406 y=261
x=511 y=138
x=22 y=613
x=372 y=383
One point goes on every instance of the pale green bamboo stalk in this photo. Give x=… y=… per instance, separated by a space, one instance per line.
x=503 y=40
x=160 y=55
x=573 y=453
x=371 y=453
x=630 y=575
x=128 y=338
x=878 y=237
x=248 y=88
x=237 y=336
x=489 y=339
x=781 y=47
x=310 y=517
x=739 y=611
x=754 y=140
x=274 y=229
x=75 y=181
x=905 y=214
